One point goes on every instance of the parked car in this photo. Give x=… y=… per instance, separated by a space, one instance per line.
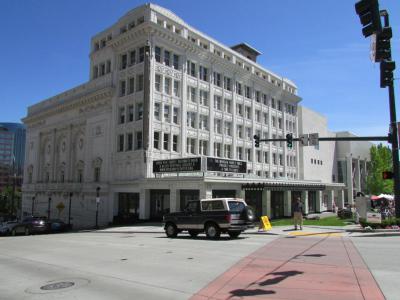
x=212 y=216
x=5 y=227
x=57 y=225
x=30 y=225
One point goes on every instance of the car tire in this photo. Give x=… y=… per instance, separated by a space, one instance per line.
x=213 y=231
x=234 y=234
x=193 y=233
x=170 y=230
x=27 y=231
x=248 y=214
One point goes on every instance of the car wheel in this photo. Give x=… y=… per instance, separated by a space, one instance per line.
x=193 y=233
x=249 y=214
x=171 y=230
x=27 y=232
x=234 y=234
x=212 y=231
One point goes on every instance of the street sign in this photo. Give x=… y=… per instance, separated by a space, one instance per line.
x=313 y=139
x=303 y=138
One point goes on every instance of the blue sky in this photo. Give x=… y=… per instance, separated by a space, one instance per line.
x=317 y=44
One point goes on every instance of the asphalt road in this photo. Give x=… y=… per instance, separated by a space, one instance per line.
x=102 y=265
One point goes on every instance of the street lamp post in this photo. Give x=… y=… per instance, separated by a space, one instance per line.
x=69 y=210
x=97 y=205
x=49 y=207
x=13 y=186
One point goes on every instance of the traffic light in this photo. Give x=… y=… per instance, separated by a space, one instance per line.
x=382 y=44
x=387 y=175
x=256 y=141
x=289 y=140
x=368 y=11
x=387 y=68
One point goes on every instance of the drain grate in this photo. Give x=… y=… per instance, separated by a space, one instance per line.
x=57 y=286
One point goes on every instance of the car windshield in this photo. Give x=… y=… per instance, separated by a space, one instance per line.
x=236 y=206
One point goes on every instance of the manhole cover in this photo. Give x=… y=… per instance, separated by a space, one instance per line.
x=61 y=285
x=57 y=286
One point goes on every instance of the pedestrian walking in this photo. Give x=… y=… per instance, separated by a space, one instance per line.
x=298 y=214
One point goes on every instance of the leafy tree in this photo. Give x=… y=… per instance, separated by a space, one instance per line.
x=381 y=160
x=5 y=200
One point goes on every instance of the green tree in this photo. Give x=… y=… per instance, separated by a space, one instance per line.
x=381 y=160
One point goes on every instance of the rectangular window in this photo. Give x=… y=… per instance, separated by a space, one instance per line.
x=203 y=147
x=157 y=83
x=248 y=112
x=265 y=118
x=192 y=94
x=130 y=142
x=102 y=69
x=240 y=131
x=258 y=97
x=239 y=153
x=166 y=141
x=176 y=89
x=122 y=88
x=121 y=115
x=203 y=97
x=217 y=149
x=203 y=122
x=176 y=62
x=191 y=68
x=257 y=112
x=121 y=142
x=139 y=111
x=217 y=126
x=176 y=115
x=227 y=151
x=95 y=72
x=227 y=128
x=157 y=54
x=248 y=154
x=217 y=79
x=238 y=88
x=217 y=102
x=156 y=140
x=266 y=157
x=139 y=140
x=239 y=109
x=191 y=119
x=265 y=99
x=157 y=111
x=228 y=106
x=247 y=92
x=131 y=85
x=190 y=147
x=203 y=73
x=132 y=57
x=248 y=133
x=141 y=54
x=108 y=67
x=167 y=58
x=175 y=143
x=124 y=61
x=167 y=85
x=167 y=113
x=130 y=113
x=139 y=83
x=227 y=83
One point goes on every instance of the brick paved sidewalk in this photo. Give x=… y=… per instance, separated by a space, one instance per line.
x=297 y=267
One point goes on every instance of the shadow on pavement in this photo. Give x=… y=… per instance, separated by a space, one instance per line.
x=202 y=238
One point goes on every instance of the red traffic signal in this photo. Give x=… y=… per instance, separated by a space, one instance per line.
x=387 y=175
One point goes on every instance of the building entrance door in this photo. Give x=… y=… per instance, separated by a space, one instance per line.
x=128 y=208
x=159 y=204
x=312 y=201
x=188 y=195
x=277 y=204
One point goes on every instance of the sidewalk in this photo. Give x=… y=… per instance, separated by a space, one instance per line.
x=297 y=268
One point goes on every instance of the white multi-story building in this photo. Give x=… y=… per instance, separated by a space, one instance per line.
x=332 y=162
x=158 y=90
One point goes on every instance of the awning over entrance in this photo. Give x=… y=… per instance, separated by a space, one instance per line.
x=282 y=186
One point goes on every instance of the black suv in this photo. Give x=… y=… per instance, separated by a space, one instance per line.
x=212 y=216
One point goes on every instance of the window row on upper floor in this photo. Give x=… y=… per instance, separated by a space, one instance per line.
x=130 y=85
x=130 y=113
x=131 y=57
x=130 y=141
x=101 y=69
